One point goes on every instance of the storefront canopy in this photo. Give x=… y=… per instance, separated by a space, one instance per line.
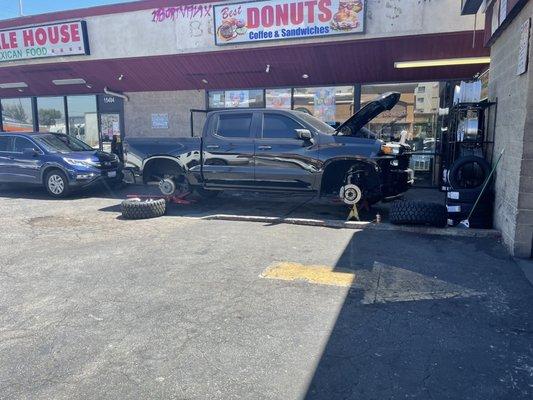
x=349 y=62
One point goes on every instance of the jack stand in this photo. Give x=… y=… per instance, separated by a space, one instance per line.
x=354 y=214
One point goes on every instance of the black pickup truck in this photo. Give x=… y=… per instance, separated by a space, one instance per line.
x=278 y=150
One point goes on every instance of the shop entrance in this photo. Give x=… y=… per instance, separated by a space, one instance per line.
x=111 y=124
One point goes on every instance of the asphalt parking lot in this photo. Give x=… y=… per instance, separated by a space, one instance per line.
x=179 y=307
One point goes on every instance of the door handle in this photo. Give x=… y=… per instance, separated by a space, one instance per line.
x=264 y=147
x=212 y=147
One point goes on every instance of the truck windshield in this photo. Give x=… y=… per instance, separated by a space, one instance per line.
x=316 y=123
x=55 y=143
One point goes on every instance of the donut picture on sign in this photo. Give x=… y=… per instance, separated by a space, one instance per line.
x=231 y=28
x=347 y=16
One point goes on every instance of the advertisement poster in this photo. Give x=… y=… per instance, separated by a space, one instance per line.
x=57 y=40
x=237 y=98
x=287 y=19
x=324 y=101
x=159 y=121
x=278 y=98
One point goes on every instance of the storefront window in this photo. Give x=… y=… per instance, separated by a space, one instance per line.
x=278 y=98
x=417 y=114
x=17 y=115
x=51 y=112
x=83 y=119
x=332 y=105
x=236 y=99
x=216 y=99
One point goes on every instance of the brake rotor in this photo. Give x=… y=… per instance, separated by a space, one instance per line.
x=351 y=194
x=167 y=186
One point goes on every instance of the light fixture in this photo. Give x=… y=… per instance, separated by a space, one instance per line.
x=70 y=81
x=120 y=77
x=305 y=76
x=89 y=86
x=205 y=81
x=20 y=90
x=267 y=69
x=442 y=62
x=13 y=85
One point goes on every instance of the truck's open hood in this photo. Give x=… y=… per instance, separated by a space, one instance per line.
x=370 y=111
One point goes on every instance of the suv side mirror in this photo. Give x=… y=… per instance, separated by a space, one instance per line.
x=304 y=134
x=30 y=152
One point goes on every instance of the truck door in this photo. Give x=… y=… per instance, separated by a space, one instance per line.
x=282 y=160
x=228 y=150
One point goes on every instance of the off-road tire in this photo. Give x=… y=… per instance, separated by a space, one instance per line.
x=418 y=213
x=143 y=209
x=453 y=176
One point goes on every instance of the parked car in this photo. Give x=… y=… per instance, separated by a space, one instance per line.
x=278 y=150
x=57 y=161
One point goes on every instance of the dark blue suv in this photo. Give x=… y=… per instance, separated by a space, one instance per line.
x=58 y=162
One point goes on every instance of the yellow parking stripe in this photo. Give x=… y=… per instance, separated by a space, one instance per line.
x=319 y=274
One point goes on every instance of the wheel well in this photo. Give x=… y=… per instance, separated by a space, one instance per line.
x=47 y=170
x=335 y=173
x=159 y=168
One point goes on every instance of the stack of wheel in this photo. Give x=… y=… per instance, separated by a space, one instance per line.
x=463 y=193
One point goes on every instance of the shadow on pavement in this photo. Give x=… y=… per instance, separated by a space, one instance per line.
x=428 y=318
x=21 y=191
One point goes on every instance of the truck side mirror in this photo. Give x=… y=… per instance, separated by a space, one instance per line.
x=304 y=134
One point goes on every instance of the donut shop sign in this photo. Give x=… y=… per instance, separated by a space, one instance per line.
x=287 y=19
x=56 y=40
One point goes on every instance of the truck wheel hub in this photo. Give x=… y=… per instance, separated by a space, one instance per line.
x=350 y=194
x=167 y=186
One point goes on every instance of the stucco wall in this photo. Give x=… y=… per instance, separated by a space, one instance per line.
x=514 y=179
x=139 y=109
x=134 y=34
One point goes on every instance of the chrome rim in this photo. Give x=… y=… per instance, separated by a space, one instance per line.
x=56 y=184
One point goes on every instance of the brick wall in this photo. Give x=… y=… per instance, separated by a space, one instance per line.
x=177 y=104
x=514 y=179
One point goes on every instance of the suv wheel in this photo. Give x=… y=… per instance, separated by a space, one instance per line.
x=56 y=184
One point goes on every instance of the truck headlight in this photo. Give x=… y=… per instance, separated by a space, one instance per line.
x=390 y=149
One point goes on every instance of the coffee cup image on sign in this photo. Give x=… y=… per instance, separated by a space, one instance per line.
x=231 y=28
x=347 y=16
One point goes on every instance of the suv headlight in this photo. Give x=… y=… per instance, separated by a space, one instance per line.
x=81 y=163
x=390 y=149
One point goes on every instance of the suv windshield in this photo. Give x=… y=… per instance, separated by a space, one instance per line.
x=316 y=123
x=56 y=143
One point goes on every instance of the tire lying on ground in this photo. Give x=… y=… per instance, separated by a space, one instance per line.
x=418 y=213
x=143 y=209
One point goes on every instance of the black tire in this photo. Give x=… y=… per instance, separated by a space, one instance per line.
x=143 y=209
x=456 y=175
x=207 y=194
x=56 y=183
x=469 y=196
x=418 y=213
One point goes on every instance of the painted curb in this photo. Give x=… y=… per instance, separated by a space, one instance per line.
x=449 y=231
